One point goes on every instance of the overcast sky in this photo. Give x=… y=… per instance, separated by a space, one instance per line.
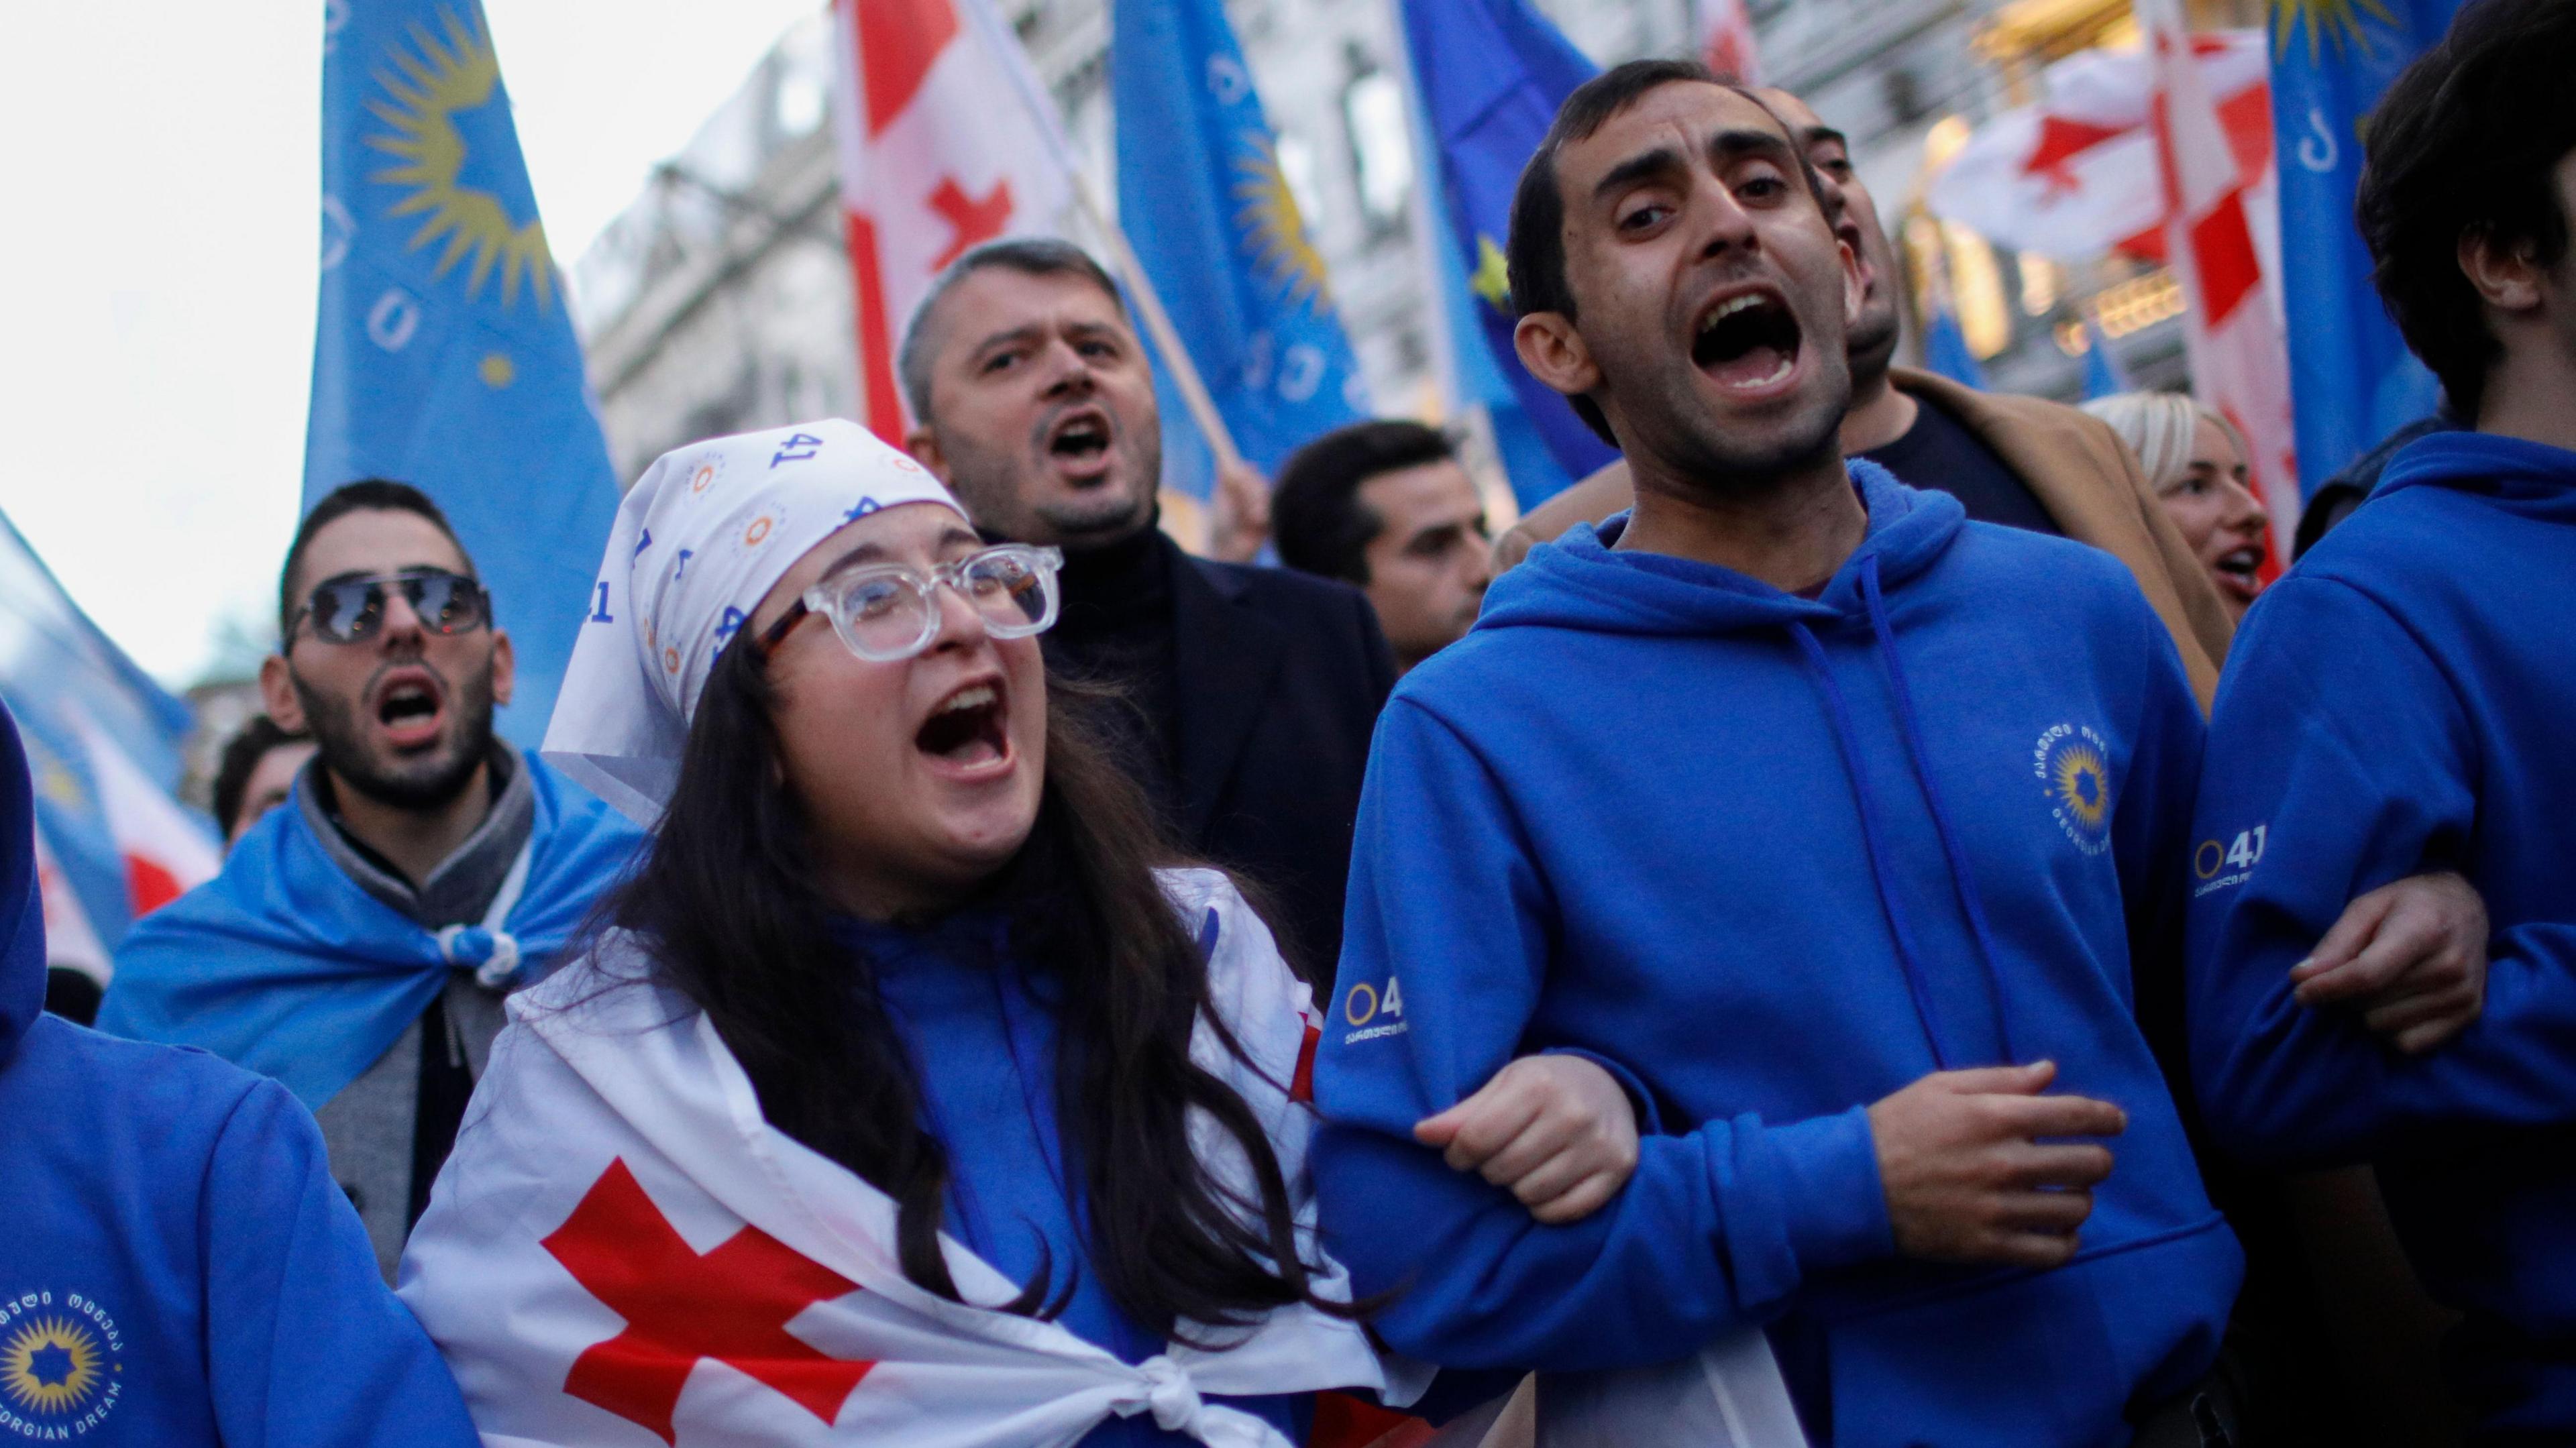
x=157 y=273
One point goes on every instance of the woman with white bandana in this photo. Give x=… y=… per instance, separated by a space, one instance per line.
x=914 y=1093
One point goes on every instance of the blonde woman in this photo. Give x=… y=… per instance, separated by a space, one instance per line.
x=2196 y=461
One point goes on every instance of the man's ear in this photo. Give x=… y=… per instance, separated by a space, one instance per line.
x=2506 y=276
x=1554 y=353
x=277 y=695
x=505 y=667
x=923 y=444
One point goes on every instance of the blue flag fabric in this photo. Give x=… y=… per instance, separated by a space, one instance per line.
x=1945 y=350
x=284 y=965
x=2102 y=374
x=65 y=680
x=1535 y=474
x=1203 y=203
x=2350 y=373
x=444 y=356
x=1490 y=74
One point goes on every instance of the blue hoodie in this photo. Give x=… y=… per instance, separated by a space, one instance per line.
x=176 y=1266
x=1779 y=858
x=2399 y=703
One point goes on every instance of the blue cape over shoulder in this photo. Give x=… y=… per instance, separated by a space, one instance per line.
x=284 y=965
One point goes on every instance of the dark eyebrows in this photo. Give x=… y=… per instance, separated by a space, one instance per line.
x=1737 y=143
x=865 y=553
x=1825 y=135
x=1661 y=161
x=1005 y=338
x=1732 y=144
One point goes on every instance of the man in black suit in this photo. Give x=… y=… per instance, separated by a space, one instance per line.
x=1245 y=696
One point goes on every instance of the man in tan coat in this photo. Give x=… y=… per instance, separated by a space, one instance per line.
x=2022 y=461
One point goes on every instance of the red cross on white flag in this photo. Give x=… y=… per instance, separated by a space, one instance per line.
x=1726 y=40
x=943 y=145
x=2240 y=362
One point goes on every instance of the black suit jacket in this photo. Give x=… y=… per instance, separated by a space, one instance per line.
x=1279 y=677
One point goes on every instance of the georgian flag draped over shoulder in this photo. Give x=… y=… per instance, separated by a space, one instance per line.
x=2240 y=360
x=943 y=146
x=622 y=1252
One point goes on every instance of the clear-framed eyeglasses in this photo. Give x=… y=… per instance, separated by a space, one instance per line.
x=886 y=612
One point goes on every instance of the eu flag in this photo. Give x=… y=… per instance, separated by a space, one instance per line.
x=1211 y=218
x=444 y=357
x=2350 y=374
x=1490 y=75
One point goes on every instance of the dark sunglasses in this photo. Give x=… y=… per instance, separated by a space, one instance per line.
x=350 y=610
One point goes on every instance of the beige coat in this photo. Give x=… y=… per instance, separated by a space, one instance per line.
x=2077 y=468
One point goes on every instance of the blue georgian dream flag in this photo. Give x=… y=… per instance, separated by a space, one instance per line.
x=1535 y=474
x=1490 y=75
x=69 y=685
x=1945 y=350
x=444 y=356
x=2350 y=373
x=1203 y=203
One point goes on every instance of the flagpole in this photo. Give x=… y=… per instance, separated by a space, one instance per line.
x=1122 y=258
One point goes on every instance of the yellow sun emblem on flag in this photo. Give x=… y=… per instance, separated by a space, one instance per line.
x=2337 y=20
x=49 y=1365
x=2082 y=787
x=440 y=79
x=1272 y=228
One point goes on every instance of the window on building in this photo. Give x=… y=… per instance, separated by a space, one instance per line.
x=1381 y=142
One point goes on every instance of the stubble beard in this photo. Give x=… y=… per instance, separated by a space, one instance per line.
x=418 y=784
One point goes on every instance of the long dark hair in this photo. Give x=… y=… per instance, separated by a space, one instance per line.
x=735 y=919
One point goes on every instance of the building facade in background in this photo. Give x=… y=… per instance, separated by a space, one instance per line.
x=720 y=300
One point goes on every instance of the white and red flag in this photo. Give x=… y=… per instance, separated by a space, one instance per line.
x=166 y=850
x=2076 y=175
x=2232 y=327
x=1726 y=39
x=622 y=1251
x=945 y=142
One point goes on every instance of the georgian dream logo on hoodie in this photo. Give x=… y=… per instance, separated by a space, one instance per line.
x=60 y=1366
x=2072 y=764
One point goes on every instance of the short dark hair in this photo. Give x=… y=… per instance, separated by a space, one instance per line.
x=2463 y=142
x=1316 y=517
x=1036 y=256
x=241 y=757
x=1535 y=253
x=363 y=496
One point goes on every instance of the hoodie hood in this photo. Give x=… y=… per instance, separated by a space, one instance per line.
x=2532 y=479
x=1581 y=581
x=22 y=916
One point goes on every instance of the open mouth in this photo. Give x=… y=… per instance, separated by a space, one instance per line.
x=1746 y=342
x=1080 y=443
x=966 y=730
x=408 y=709
x=2239 y=570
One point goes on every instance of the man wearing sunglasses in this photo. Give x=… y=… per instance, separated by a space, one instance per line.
x=359 y=940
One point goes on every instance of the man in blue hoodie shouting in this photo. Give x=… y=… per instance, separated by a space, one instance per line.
x=1832 y=818
x=2401 y=702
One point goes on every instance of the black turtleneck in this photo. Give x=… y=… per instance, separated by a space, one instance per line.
x=1116 y=630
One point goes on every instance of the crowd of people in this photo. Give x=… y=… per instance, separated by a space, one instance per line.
x=1828 y=931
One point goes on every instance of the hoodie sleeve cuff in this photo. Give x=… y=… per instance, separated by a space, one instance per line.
x=1649 y=1121
x=1836 y=1210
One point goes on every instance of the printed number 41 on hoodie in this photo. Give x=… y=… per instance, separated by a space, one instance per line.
x=1373 y=1012
x=2237 y=857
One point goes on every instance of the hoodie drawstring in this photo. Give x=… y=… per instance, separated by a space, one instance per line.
x=1952 y=853
x=1846 y=741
